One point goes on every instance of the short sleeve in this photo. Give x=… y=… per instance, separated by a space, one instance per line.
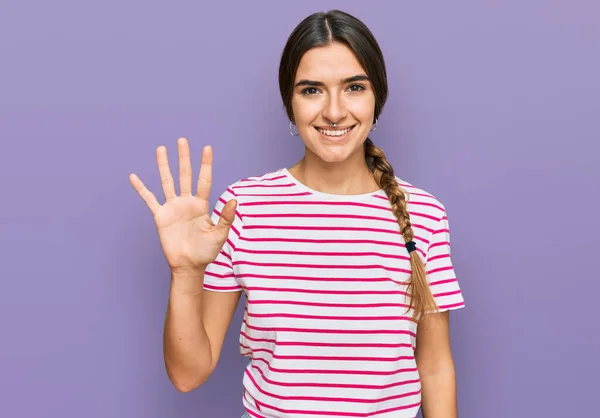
x=440 y=270
x=219 y=275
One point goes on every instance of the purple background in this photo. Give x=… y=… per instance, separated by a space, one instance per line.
x=493 y=109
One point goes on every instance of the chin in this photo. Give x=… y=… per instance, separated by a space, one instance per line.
x=330 y=159
x=333 y=156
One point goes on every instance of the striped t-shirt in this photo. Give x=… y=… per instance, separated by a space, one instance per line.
x=325 y=324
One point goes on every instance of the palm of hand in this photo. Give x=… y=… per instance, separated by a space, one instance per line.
x=184 y=226
x=188 y=237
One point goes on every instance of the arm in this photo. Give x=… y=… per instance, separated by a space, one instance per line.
x=436 y=366
x=195 y=326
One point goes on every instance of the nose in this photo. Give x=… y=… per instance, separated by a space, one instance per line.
x=334 y=108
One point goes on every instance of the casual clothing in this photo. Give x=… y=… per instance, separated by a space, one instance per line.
x=325 y=325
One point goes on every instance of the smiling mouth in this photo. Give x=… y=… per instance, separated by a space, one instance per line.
x=335 y=133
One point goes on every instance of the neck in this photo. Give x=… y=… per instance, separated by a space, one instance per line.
x=350 y=177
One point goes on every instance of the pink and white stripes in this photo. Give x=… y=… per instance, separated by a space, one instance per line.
x=325 y=325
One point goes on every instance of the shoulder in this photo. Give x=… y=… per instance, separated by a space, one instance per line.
x=422 y=203
x=253 y=184
x=248 y=190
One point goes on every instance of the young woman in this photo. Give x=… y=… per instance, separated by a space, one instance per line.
x=340 y=260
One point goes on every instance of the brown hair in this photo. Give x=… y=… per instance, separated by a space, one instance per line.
x=322 y=29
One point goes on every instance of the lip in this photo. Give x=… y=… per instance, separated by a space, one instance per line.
x=335 y=138
x=335 y=128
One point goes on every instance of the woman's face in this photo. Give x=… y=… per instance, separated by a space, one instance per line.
x=332 y=87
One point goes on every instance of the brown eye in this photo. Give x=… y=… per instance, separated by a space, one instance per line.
x=308 y=91
x=356 y=87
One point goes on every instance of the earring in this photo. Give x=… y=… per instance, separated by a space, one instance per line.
x=374 y=126
x=291 y=133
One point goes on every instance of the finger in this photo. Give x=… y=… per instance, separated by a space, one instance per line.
x=227 y=216
x=205 y=176
x=166 y=179
x=146 y=194
x=185 y=167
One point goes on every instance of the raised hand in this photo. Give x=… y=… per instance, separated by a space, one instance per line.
x=188 y=237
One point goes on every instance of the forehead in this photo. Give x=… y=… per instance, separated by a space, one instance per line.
x=330 y=63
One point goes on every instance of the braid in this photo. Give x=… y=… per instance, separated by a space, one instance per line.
x=421 y=298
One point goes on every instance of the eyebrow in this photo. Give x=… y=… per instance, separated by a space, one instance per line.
x=360 y=77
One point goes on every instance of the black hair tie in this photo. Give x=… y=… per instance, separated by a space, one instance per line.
x=411 y=246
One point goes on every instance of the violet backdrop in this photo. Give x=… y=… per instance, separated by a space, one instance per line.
x=493 y=108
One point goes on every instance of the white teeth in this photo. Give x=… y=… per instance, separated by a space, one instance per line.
x=333 y=133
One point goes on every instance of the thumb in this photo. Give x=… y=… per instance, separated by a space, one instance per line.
x=227 y=216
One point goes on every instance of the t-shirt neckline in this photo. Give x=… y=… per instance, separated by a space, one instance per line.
x=363 y=196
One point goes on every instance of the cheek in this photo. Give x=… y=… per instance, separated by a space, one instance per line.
x=362 y=108
x=305 y=110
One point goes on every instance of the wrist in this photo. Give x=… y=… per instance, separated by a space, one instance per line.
x=188 y=271
x=188 y=281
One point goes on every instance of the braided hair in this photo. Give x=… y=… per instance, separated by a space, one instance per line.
x=421 y=298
